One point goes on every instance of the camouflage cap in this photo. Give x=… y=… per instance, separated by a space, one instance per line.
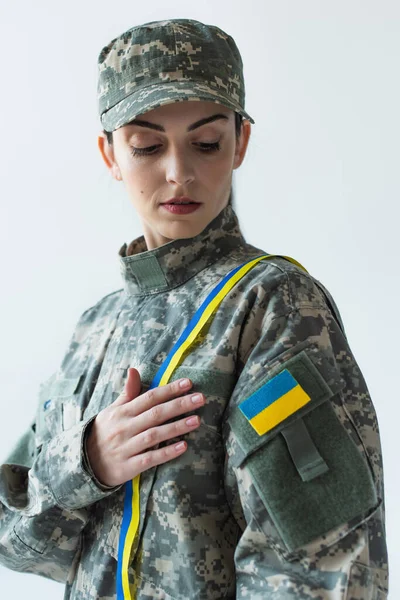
x=161 y=62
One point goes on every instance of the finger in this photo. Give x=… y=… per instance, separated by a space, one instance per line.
x=159 y=413
x=149 y=438
x=131 y=389
x=158 y=395
x=151 y=458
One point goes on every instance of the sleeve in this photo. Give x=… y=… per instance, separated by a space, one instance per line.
x=303 y=470
x=46 y=487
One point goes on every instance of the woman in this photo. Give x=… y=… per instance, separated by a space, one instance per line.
x=261 y=477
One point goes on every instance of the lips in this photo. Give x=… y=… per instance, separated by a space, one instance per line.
x=181 y=206
x=180 y=200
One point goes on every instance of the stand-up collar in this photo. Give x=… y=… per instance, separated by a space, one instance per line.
x=149 y=271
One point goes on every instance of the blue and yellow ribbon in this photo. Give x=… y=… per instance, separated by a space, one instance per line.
x=131 y=515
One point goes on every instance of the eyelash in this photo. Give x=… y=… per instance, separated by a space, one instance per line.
x=203 y=147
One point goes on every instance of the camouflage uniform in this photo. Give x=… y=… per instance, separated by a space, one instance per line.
x=296 y=513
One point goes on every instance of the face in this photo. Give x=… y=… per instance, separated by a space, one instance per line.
x=180 y=149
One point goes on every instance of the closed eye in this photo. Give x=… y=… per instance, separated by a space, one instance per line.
x=143 y=151
x=208 y=146
x=202 y=146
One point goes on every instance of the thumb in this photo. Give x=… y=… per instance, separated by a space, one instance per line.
x=132 y=387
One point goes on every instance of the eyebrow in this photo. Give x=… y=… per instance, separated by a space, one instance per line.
x=190 y=128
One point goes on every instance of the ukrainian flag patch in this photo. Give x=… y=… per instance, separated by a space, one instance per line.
x=274 y=402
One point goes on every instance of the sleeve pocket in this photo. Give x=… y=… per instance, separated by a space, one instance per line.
x=308 y=472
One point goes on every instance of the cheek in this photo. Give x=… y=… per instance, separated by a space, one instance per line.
x=136 y=175
x=219 y=170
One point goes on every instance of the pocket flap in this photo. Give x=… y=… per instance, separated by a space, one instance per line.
x=65 y=386
x=312 y=386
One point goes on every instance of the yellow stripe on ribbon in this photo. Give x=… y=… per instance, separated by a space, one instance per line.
x=130 y=536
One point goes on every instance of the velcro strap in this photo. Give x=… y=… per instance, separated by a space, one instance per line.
x=308 y=461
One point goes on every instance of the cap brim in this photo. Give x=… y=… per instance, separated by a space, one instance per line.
x=157 y=95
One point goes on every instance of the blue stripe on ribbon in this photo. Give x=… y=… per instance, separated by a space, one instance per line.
x=269 y=393
x=126 y=519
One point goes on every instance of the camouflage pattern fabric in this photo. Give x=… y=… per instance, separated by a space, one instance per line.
x=211 y=526
x=168 y=61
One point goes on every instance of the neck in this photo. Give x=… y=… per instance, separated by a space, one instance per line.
x=153 y=239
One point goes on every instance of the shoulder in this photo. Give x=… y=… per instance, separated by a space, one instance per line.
x=286 y=284
x=106 y=306
x=94 y=326
x=98 y=318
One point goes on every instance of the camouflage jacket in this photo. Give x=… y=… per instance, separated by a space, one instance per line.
x=294 y=513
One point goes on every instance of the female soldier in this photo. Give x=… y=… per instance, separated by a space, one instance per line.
x=261 y=475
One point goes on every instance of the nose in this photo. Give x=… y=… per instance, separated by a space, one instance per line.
x=179 y=168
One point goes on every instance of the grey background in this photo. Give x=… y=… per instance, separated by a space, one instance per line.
x=320 y=183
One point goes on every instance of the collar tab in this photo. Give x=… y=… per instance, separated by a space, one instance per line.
x=146 y=272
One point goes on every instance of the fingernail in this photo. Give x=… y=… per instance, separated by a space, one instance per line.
x=184 y=383
x=180 y=446
x=192 y=421
x=196 y=398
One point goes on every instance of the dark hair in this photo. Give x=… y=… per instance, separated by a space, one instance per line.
x=238 y=129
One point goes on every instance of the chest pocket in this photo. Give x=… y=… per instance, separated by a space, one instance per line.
x=59 y=407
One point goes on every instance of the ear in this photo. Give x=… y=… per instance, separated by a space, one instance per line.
x=242 y=143
x=107 y=153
